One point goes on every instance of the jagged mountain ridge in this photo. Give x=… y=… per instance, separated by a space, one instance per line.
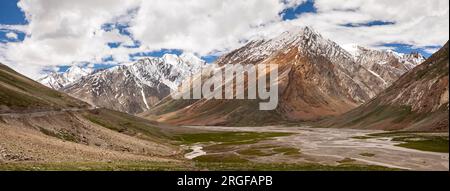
x=136 y=87
x=387 y=64
x=318 y=78
x=58 y=80
x=418 y=101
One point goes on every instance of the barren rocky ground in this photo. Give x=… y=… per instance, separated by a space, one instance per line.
x=67 y=137
x=67 y=140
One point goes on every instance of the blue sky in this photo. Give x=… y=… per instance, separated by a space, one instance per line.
x=308 y=7
x=10 y=14
x=293 y=13
x=310 y=12
x=406 y=48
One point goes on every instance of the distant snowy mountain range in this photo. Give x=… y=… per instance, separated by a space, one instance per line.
x=58 y=80
x=317 y=79
x=137 y=87
x=386 y=64
x=131 y=88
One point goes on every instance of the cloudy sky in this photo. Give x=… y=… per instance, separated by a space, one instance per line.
x=38 y=36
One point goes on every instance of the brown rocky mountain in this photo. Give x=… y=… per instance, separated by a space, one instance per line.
x=417 y=101
x=317 y=78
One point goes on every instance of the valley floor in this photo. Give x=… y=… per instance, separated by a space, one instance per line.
x=334 y=147
x=29 y=147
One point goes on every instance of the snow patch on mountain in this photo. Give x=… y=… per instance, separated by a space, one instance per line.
x=385 y=64
x=58 y=80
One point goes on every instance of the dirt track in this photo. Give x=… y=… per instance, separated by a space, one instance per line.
x=44 y=113
x=328 y=146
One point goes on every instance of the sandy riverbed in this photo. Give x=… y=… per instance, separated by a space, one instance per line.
x=328 y=146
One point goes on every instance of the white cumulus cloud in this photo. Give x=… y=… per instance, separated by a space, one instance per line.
x=12 y=35
x=65 y=32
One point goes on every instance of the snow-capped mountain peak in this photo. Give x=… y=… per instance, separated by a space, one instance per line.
x=389 y=65
x=58 y=80
x=171 y=59
x=353 y=49
x=75 y=72
x=170 y=69
x=305 y=39
x=357 y=51
x=137 y=86
x=191 y=59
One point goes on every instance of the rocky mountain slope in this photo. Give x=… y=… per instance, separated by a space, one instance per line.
x=136 y=87
x=317 y=78
x=21 y=94
x=386 y=64
x=417 y=101
x=39 y=124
